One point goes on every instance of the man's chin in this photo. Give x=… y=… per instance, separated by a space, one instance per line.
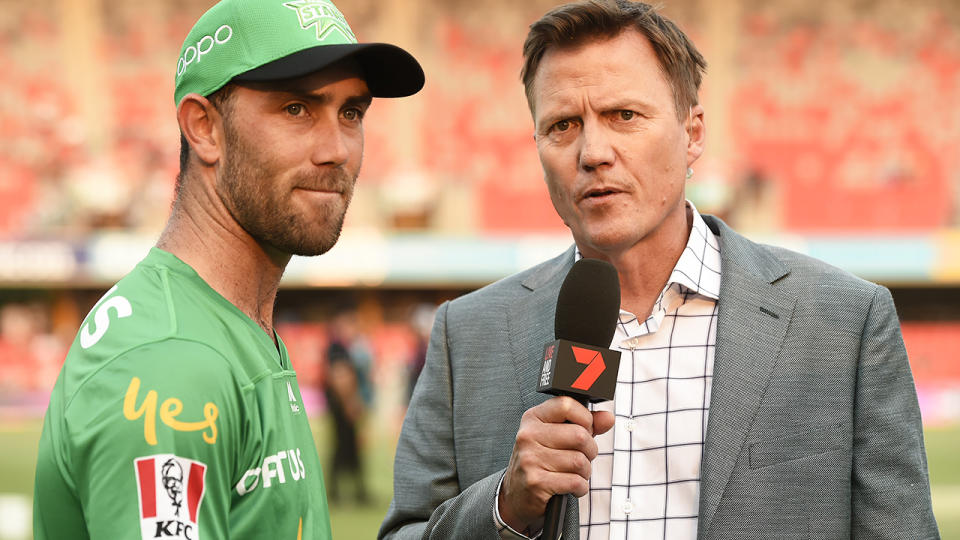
x=608 y=240
x=311 y=251
x=304 y=238
x=316 y=244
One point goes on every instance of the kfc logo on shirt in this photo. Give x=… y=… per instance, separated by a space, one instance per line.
x=170 y=489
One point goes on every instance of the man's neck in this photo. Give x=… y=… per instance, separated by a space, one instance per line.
x=646 y=266
x=232 y=262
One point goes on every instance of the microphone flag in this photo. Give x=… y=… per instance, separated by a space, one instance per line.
x=579 y=370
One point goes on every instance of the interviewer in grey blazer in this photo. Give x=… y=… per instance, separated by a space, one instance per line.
x=810 y=424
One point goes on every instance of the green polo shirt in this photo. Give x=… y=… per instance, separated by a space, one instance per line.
x=176 y=416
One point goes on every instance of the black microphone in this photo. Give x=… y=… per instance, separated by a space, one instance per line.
x=578 y=363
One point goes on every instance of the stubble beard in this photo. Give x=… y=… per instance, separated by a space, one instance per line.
x=267 y=214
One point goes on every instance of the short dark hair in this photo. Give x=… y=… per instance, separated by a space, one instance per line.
x=574 y=24
x=221 y=100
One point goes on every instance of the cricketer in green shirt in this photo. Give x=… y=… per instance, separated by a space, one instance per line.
x=176 y=416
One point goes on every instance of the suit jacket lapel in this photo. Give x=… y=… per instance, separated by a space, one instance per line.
x=530 y=320
x=753 y=319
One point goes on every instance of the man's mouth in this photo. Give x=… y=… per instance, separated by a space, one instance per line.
x=334 y=182
x=599 y=193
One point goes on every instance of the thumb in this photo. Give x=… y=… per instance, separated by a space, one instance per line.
x=602 y=422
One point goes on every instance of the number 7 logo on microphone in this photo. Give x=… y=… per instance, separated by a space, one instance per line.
x=594 y=369
x=579 y=370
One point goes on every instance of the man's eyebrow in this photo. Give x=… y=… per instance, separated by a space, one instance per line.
x=324 y=98
x=561 y=109
x=626 y=103
x=553 y=116
x=363 y=100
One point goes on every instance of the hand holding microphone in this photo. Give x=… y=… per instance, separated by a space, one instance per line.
x=555 y=445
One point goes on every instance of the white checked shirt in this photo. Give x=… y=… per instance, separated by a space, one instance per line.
x=645 y=481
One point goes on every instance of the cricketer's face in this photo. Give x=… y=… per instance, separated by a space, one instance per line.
x=293 y=153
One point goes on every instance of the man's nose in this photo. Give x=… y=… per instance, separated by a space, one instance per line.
x=596 y=149
x=331 y=145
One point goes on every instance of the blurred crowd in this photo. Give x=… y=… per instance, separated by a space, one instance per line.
x=90 y=142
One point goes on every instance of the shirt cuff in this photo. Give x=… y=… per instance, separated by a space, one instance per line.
x=506 y=532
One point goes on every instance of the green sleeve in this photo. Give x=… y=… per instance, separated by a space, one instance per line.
x=148 y=446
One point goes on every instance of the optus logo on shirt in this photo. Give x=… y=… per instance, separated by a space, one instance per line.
x=273 y=469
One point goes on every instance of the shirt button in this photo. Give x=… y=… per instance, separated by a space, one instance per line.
x=627 y=507
x=630 y=425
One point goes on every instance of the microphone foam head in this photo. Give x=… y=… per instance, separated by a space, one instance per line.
x=589 y=303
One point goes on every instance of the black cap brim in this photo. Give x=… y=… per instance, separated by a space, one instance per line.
x=389 y=70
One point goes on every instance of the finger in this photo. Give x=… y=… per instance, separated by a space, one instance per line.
x=568 y=462
x=557 y=437
x=539 y=484
x=602 y=422
x=531 y=466
x=527 y=496
x=561 y=482
x=561 y=409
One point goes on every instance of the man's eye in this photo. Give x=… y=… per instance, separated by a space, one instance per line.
x=627 y=115
x=294 y=109
x=562 y=125
x=353 y=114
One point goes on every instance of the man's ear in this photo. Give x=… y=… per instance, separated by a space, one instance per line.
x=202 y=125
x=696 y=133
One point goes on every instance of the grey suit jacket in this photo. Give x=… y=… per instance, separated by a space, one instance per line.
x=814 y=429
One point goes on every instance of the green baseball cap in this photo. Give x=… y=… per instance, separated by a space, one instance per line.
x=263 y=40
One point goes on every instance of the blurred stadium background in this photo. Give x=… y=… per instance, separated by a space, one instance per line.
x=833 y=129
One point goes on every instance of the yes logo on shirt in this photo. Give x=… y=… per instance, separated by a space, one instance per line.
x=170 y=489
x=169 y=412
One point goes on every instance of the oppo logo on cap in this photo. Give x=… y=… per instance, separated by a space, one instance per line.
x=194 y=53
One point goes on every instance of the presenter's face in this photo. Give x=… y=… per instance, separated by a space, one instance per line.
x=613 y=151
x=293 y=153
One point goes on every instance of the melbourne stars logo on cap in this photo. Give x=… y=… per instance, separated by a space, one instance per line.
x=324 y=16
